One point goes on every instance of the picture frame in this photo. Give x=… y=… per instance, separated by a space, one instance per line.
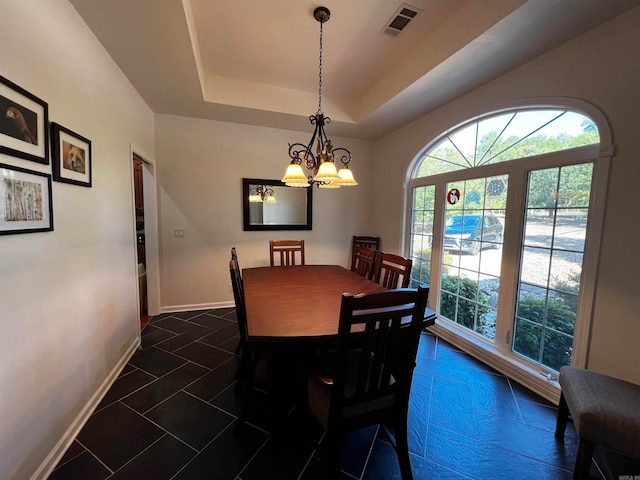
x=26 y=204
x=24 y=123
x=71 y=156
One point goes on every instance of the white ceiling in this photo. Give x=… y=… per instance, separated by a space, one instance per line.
x=256 y=61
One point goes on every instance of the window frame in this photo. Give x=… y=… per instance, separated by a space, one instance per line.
x=528 y=373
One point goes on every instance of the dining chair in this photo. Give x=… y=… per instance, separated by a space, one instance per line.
x=368 y=381
x=390 y=269
x=246 y=372
x=285 y=251
x=363 y=241
x=364 y=261
x=234 y=256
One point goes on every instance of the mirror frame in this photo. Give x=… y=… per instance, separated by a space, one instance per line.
x=276 y=183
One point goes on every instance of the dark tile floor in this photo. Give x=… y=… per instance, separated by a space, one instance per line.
x=171 y=415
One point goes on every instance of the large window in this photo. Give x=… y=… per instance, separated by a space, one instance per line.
x=500 y=215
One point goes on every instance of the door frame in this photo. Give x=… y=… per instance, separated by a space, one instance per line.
x=152 y=255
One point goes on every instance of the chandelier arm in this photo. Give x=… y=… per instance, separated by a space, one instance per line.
x=323 y=135
x=295 y=151
x=345 y=157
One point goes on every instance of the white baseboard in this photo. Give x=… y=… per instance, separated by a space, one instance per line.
x=197 y=306
x=522 y=373
x=52 y=460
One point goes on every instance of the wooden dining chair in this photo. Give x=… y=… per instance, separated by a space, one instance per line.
x=392 y=271
x=364 y=262
x=287 y=251
x=363 y=241
x=234 y=256
x=369 y=380
x=251 y=360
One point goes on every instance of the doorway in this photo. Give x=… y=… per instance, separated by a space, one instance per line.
x=138 y=194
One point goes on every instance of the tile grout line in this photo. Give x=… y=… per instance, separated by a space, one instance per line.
x=95 y=456
x=254 y=456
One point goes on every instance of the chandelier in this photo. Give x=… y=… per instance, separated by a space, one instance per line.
x=262 y=194
x=322 y=163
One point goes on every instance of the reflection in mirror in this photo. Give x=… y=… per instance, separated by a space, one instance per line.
x=271 y=205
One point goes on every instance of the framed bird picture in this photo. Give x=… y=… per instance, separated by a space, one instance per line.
x=24 y=120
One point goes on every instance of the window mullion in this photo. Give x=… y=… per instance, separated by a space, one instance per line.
x=509 y=270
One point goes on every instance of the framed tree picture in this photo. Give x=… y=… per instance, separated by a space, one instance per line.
x=71 y=155
x=24 y=120
x=25 y=201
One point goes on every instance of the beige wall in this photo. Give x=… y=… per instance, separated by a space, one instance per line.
x=68 y=306
x=601 y=67
x=67 y=298
x=201 y=164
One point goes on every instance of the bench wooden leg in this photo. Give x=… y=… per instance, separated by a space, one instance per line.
x=563 y=416
x=583 y=461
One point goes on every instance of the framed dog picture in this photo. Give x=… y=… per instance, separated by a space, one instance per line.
x=71 y=154
x=24 y=120
x=25 y=201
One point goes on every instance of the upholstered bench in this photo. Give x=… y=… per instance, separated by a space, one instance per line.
x=605 y=411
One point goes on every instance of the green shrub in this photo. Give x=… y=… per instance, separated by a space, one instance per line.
x=558 y=329
x=471 y=302
x=421 y=269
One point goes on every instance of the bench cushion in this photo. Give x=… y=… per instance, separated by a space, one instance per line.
x=605 y=410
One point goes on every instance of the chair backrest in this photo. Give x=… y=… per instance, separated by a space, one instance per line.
x=238 y=295
x=392 y=271
x=364 y=261
x=363 y=241
x=376 y=352
x=286 y=251
x=234 y=255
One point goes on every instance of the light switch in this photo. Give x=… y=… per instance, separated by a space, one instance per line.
x=178 y=232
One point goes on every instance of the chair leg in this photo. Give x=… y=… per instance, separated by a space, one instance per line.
x=246 y=375
x=563 y=415
x=239 y=348
x=244 y=368
x=333 y=453
x=402 y=447
x=583 y=461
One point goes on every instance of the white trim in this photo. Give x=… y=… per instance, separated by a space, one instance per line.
x=197 y=306
x=51 y=461
x=589 y=276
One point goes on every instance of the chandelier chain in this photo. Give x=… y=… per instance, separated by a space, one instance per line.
x=320 y=74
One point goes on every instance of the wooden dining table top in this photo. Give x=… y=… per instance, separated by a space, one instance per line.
x=299 y=302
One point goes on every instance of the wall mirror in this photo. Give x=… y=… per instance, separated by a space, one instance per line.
x=271 y=205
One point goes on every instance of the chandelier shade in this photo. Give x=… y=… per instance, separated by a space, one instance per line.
x=322 y=164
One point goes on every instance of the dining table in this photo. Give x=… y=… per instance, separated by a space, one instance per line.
x=293 y=312
x=301 y=303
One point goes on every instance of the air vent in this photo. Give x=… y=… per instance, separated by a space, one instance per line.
x=400 y=19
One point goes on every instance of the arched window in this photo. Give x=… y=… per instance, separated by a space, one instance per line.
x=501 y=226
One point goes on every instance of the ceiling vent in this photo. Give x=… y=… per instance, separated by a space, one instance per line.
x=400 y=19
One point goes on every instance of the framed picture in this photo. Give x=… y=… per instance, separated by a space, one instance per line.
x=25 y=201
x=71 y=154
x=24 y=121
